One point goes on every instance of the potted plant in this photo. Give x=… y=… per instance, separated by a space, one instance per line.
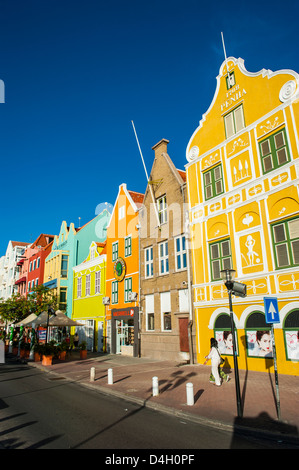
x=15 y=347
x=62 y=350
x=83 y=350
x=24 y=349
x=48 y=351
x=37 y=352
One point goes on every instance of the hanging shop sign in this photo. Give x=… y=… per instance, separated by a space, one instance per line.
x=119 y=269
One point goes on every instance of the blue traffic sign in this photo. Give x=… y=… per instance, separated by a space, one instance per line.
x=271 y=310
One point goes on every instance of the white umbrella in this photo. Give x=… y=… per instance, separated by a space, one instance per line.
x=39 y=320
x=27 y=320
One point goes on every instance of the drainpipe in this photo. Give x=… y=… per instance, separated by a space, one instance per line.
x=138 y=226
x=190 y=323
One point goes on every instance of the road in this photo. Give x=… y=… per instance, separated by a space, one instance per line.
x=42 y=411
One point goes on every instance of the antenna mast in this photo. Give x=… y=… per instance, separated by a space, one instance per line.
x=150 y=186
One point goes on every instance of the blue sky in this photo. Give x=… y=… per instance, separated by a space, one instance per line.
x=77 y=73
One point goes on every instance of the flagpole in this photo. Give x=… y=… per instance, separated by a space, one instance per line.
x=225 y=58
x=151 y=189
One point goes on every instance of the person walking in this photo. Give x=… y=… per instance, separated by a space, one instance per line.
x=215 y=357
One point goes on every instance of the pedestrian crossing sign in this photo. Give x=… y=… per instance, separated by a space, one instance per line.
x=271 y=310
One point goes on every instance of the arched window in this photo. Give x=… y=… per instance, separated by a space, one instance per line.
x=258 y=336
x=291 y=335
x=223 y=334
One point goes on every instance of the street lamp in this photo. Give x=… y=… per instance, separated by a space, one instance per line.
x=240 y=290
x=51 y=311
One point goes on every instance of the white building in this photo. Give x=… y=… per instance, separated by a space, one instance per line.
x=9 y=270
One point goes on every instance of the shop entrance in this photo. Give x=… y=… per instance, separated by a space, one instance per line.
x=124 y=334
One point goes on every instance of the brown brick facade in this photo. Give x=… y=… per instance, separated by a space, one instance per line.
x=164 y=314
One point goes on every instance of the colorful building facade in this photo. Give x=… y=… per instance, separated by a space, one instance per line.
x=122 y=275
x=243 y=182
x=89 y=282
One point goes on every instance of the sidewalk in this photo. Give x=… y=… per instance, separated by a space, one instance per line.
x=213 y=406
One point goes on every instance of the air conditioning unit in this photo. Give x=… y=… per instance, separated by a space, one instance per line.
x=106 y=300
x=133 y=296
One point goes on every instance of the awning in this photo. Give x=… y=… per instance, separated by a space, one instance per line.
x=22 y=279
x=39 y=320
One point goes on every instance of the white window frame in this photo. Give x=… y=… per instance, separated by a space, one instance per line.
x=181 y=255
x=165 y=305
x=128 y=288
x=114 y=251
x=230 y=118
x=163 y=258
x=79 y=287
x=114 y=292
x=87 y=284
x=97 y=282
x=150 y=311
x=128 y=246
x=149 y=262
x=162 y=209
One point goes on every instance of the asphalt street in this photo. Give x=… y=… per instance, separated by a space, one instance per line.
x=42 y=411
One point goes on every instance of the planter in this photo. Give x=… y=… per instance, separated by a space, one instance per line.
x=15 y=350
x=37 y=357
x=47 y=360
x=83 y=353
x=22 y=353
x=62 y=355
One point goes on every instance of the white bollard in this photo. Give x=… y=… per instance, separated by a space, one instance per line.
x=155 y=384
x=92 y=374
x=110 y=376
x=190 y=395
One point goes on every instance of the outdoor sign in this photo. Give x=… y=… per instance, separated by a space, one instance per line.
x=271 y=310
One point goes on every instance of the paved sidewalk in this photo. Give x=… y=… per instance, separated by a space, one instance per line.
x=214 y=406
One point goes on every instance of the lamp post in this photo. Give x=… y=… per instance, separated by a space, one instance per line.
x=51 y=311
x=236 y=288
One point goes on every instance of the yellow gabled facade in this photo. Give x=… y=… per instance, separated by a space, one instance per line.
x=89 y=282
x=243 y=187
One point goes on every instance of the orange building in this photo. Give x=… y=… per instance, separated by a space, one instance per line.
x=122 y=274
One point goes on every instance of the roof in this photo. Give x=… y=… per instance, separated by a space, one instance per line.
x=183 y=174
x=137 y=197
x=19 y=244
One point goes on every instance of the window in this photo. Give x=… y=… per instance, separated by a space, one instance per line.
x=121 y=212
x=36 y=282
x=220 y=255
x=79 y=287
x=213 y=182
x=234 y=121
x=286 y=243
x=62 y=298
x=165 y=303
x=38 y=263
x=162 y=209
x=87 y=284
x=128 y=246
x=163 y=258
x=29 y=284
x=149 y=309
x=223 y=334
x=92 y=253
x=291 y=334
x=258 y=336
x=149 y=262
x=274 y=151
x=114 y=292
x=128 y=288
x=98 y=282
x=30 y=267
x=180 y=253
x=230 y=80
x=114 y=251
x=64 y=265
x=34 y=264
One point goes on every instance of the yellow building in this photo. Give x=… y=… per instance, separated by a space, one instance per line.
x=89 y=282
x=243 y=181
